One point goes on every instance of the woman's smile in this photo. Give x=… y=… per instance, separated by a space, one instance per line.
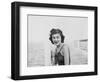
x=56 y=42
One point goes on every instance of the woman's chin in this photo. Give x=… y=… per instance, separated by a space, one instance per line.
x=56 y=44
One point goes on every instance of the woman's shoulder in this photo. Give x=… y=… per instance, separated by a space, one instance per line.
x=65 y=46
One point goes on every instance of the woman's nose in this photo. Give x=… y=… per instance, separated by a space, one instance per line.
x=56 y=39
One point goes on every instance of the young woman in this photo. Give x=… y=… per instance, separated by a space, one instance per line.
x=61 y=55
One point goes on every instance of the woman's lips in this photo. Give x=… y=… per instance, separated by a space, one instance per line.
x=55 y=42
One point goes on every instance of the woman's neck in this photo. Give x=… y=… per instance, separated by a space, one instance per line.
x=59 y=45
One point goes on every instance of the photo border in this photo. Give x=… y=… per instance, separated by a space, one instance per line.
x=15 y=39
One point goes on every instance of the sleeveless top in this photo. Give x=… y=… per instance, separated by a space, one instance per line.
x=59 y=58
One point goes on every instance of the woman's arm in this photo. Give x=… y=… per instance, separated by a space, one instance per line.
x=52 y=58
x=66 y=53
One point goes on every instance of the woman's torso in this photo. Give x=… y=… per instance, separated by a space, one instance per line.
x=59 y=56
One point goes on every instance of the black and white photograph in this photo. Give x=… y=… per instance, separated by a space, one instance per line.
x=57 y=40
x=53 y=40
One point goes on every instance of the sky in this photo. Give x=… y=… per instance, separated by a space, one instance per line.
x=39 y=26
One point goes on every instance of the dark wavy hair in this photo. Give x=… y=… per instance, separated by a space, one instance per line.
x=56 y=31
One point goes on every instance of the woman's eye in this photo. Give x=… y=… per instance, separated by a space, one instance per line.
x=57 y=37
x=53 y=37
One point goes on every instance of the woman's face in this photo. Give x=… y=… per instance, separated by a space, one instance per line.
x=56 y=38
